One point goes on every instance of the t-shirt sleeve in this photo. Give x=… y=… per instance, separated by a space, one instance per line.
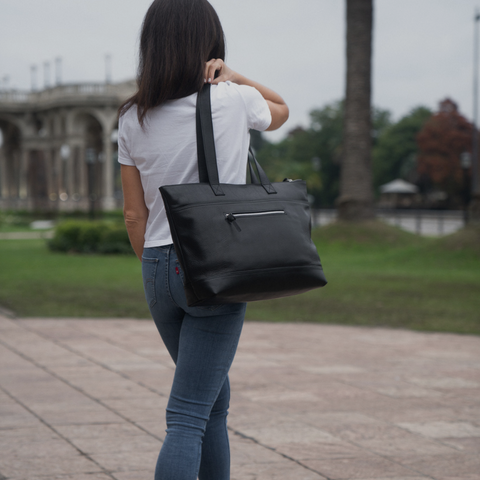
x=258 y=113
x=123 y=151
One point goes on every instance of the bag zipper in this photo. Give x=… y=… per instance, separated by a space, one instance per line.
x=232 y=217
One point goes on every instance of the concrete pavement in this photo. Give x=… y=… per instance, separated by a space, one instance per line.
x=84 y=399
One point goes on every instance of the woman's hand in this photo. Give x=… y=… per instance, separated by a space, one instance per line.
x=276 y=104
x=224 y=73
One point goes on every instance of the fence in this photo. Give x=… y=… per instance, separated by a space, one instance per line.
x=422 y=222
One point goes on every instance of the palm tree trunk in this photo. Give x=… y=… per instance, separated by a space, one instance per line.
x=356 y=190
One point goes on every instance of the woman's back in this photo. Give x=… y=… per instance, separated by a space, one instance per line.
x=165 y=150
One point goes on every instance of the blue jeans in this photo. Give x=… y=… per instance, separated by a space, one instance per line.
x=202 y=342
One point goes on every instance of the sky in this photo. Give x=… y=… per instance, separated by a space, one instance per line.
x=422 y=49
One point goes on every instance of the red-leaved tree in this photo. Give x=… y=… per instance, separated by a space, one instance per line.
x=444 y=137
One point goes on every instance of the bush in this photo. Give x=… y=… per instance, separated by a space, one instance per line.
x=90 y=237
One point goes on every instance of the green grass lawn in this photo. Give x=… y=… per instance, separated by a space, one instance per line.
x=378 y=275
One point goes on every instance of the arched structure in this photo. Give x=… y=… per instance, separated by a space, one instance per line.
x=58 y=147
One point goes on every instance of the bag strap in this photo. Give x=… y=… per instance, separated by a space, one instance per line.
x=253 y=175
x=207 y=157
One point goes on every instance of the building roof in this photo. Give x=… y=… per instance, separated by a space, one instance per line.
x=399 y=186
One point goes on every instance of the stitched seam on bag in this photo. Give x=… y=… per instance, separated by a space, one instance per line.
x=242 y=272
x=256 y=202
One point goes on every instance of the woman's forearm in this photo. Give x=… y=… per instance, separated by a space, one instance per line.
x=135 y=211
x=267 y=93
x=136 y=233
x=276 y=104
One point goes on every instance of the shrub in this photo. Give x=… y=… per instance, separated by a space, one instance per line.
x=90 y=237
x=115 y=240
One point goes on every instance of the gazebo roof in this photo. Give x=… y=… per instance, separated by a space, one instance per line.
x=399 y=186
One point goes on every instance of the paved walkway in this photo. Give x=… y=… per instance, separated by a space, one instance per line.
x=84 y=400
x=26 y=235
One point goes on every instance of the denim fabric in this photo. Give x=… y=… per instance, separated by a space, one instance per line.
x=202 y=342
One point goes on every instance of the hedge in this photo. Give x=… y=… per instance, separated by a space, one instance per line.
x=90 y=237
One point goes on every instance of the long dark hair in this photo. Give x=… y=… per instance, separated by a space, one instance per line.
x=177 y=38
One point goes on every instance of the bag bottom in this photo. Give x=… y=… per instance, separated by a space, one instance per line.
x=254 y=286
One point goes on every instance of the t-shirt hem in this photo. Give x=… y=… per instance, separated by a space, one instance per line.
x=157 y=243
x=125 y=161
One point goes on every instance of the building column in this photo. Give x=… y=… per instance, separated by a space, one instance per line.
x=108 y=199
x=70 y=173
x=56 y=170
x=82 y=166
x=23 y=175
x=48 y=171
x=3 y=175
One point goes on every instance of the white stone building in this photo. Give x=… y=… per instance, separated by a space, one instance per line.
x=58 y=147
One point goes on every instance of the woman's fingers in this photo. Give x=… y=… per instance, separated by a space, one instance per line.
x=217 y=65
x=212 y=66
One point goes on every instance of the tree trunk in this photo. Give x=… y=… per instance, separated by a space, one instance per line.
x=356 y=191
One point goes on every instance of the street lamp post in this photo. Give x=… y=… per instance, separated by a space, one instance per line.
x=466 y=163
x=475 y=198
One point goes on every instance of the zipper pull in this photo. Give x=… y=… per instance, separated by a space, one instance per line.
x=230 y=217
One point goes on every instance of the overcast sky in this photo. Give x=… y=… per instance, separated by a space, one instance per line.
x=423 y=49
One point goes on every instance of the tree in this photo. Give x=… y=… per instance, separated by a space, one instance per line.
x=444 y=137
x=396 y=148
x=314 y=154
x=292 y=158
x=356 y=190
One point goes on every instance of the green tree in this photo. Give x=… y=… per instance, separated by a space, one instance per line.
x=314 y=154
x=396 y=149
x=310 y=154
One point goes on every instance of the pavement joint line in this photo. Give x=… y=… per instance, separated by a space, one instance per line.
x=419 y=435
x=53 y=374
x=110 y=342
x=433 y=440
x=72 y=350
x=98 y=337
x=386 y=457
x=272 y=449
x=96 y=362
x=53 y=429
x=361 y=447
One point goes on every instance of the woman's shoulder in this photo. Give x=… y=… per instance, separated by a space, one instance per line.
x=130 y=113
x=229 y=91
x=128 y=118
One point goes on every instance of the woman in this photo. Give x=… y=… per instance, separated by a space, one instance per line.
x=181 y=48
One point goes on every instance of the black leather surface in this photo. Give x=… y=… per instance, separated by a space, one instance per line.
x=260 y=254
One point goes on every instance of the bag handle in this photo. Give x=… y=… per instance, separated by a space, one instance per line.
x=207 y=157
x=264 y=181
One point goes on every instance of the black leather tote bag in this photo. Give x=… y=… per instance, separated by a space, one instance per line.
x=240 y=243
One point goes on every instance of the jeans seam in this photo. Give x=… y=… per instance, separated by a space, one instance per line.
x=167 y=272
x=154 y=299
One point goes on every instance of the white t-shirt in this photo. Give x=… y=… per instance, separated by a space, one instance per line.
x=165 y=152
